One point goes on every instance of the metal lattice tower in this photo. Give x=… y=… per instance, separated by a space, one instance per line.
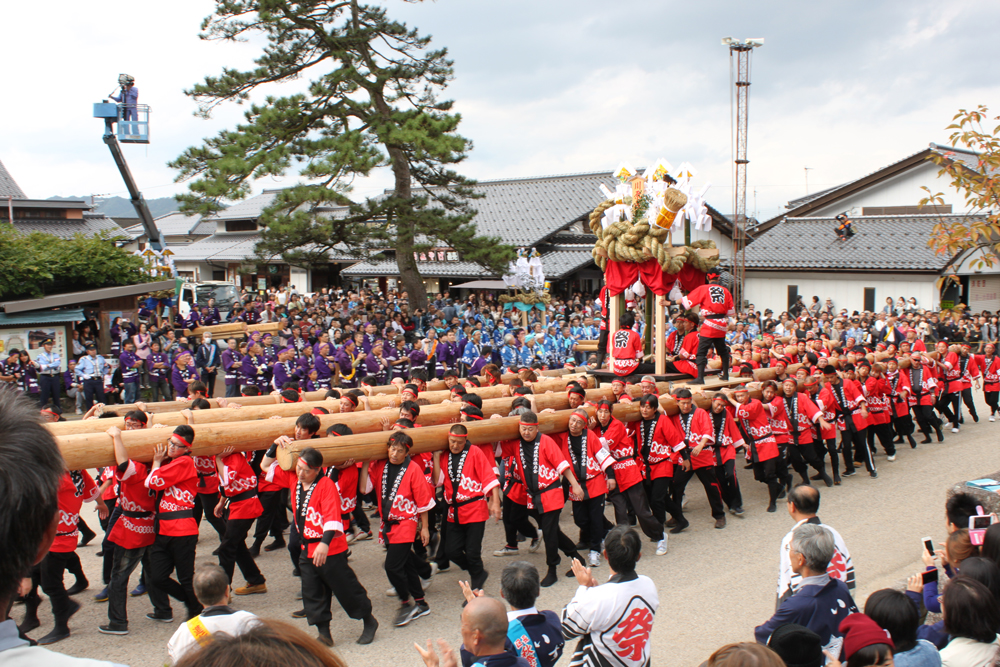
x=741 y=53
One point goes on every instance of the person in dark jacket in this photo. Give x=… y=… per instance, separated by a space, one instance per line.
x=821 y=603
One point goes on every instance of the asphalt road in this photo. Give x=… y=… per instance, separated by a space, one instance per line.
x=715 y=586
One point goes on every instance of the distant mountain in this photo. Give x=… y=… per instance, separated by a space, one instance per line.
x=119 y=207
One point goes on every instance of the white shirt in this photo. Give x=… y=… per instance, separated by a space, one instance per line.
x=841 y=566
x=219 y=619
x=15 y=652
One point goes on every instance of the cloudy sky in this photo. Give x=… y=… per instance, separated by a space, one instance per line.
x=549 y=87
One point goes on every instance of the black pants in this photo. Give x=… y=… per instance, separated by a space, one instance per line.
x=269 y=521
x=294 y=545
x=167 y=554
x=232 y=390
x=670 y=368
x=701 y=359
x=957 y=398
x=209 y=380
x=804 y=454
x=943 y=406
x=885 y=434
x=107 y=546
x=768 y=473
x=50 y=386
x=515 y=522
x=464 y=547
x=233 y=551
x=359 y=517
x=588 y=515
x=161 y=389
x=402 y=567
x=927 y=421
x=854 y=447
x=51 y=571
x=636 y=496
x=602 y=348
x=708 y=480
x=992 y=401
x=206 y=502
x=125 y=562
x=92 y=388
x=334 y=578
x=829 y=445
x=660 y=501
x=729 y=485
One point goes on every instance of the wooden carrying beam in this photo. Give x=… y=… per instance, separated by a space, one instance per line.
x=252 y=413
x=95 y=449
x=434 y=385
x=373 y=446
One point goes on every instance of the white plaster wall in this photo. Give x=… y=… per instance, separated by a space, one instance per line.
x=901 y=190
x=769 y=289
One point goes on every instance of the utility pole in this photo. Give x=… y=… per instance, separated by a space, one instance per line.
x=806 y=169
x=740 y=52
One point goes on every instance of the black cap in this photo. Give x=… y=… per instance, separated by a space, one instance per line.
x=48 y=341
x=91 y=346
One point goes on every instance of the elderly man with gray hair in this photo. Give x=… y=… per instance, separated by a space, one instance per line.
x=820 y=603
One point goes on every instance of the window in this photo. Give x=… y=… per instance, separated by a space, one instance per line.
x=793 y=295
x=905 y=210
x=241 y=226
x=870 y=299
x=218 y=275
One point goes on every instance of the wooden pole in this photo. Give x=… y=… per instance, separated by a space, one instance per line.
x=660 y=352
x=92 y=450
x=647 y=343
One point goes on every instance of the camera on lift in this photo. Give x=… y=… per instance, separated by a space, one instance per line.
x=126 y=80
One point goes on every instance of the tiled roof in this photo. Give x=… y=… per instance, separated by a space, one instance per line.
x=880 y=243
x=66 y=229
x=231 y=248
x=387 y=267
x=8 y=186
x=795 y=203
x=176 y=224
x=558 y=263
x=561 y=262
x=248 y=209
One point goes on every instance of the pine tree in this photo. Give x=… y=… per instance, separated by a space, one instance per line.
x=372 y=102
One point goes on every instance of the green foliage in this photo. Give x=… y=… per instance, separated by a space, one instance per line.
x=35 y=265
x=371 y=104
x=979 y=186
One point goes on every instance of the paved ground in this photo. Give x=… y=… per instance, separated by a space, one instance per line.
x=715 y=585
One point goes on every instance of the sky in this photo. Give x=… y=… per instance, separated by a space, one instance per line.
x=544 y=88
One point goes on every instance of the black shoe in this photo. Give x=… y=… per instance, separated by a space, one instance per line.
x=80 y=586
x=216 y=552
x=100 y=554
x=848 y=473
x=925 y=441
x=738 y=511
x=913 y=443
x=897 y=441
x=940 y=435
x=772 y=508
x=275 y=545
x=324 y=638
x=827 y=480
x=975 y=417
x=817 y=477
x=781 y=494
x=28 y=624
x=255 y=550
x=112 y=630
x=86 y=537
x=697 y=381
x=680 y=527
x=162 y=618
x=57 y=635
x=873 y=474
x=550 y=578
x=368 y=634
x=480 y=581
x=301 y=613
